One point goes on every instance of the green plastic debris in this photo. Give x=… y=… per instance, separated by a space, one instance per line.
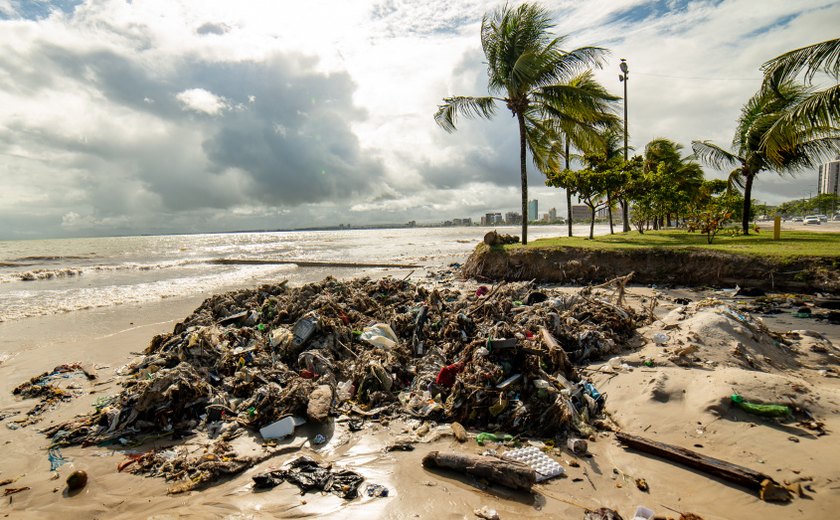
x=764 y=410
x=483 y=437
x=261 y=327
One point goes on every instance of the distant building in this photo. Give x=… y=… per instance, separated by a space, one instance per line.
x=829 y=178
x=513 y=218
x=533 y=210
x=492 y=219
x=580 y=212
x=552 y=215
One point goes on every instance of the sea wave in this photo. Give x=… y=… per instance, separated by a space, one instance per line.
x=48 y=274
x=37 y=301
x=74 y=271
x=51 y=258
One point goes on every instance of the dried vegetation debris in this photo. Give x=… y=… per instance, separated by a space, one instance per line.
x=47 y=389
x=246 y=359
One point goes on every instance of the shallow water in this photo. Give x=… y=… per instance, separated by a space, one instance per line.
x=39 y=277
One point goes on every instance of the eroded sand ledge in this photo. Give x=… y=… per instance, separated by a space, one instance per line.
x=654 y=265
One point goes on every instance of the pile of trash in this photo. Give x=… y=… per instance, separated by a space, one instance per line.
x=492 y=359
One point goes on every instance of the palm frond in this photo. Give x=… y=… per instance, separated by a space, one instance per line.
x=714 y=155
x=820 y=108
x=466 y=106
x=507 y=34
x=561 y=66
x=823 y=56
x=735 y=181
x=808 y=154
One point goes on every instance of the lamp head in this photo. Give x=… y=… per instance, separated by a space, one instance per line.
x=623 y=66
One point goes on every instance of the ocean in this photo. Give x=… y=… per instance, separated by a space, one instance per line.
x=42 y=277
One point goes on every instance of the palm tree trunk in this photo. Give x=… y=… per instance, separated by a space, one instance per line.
x=609 y=213
x=568 y=191
x=625 y=215
x=523 y=175
x=745 y=223
x=592 y=224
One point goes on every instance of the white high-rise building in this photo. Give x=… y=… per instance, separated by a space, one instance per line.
x=829 y=178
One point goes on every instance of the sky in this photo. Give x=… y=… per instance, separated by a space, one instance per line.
x=172 y=116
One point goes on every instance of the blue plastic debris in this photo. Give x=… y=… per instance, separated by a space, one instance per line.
x=56 y=459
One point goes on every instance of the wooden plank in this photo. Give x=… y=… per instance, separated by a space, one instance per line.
x=719 y=468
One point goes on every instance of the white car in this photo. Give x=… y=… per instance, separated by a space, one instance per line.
x=812 y=219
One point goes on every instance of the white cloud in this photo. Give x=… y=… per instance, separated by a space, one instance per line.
x=200 y=100
x=322 y=110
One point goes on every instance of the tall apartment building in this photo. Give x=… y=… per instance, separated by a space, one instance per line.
x=533 y=210
x=829 y=178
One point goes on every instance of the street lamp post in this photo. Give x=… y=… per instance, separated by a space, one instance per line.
x=623 y=78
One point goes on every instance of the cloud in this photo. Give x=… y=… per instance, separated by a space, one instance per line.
x=201 y=100
x=213 y=28
x=168 y=116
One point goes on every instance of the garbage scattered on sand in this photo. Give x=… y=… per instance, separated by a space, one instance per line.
x=308 y=475
x=498 y=364
x=253 y=360
x=44 y=387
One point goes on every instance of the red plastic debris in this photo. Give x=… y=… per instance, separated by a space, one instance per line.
x=446 y=376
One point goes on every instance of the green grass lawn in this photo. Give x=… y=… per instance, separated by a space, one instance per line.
x=792 y=243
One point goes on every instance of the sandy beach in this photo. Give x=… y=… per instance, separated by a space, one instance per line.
x=681 y=405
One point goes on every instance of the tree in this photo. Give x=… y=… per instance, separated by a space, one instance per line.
x=528 y=68
x=607 y=156
x=711 y=208
x=825 y=203
x=680 y=175
x=582 y=130
x=756 y=128
x=591 y=185
x=819 y=110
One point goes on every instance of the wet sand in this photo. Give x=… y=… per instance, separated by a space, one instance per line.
x=671 y=404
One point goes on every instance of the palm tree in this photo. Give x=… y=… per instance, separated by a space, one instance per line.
x=582 y=130
x=820 y=109
x=797 y=148
x=527 y=67
x=683 y=175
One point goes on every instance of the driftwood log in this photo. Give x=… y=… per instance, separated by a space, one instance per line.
x=492 y=238
x=719 y=468
x=558 y=355
x=507 y=473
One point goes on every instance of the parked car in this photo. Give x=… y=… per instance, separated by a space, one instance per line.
x=812 y=219
x=823 y=218
x=798 y=219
